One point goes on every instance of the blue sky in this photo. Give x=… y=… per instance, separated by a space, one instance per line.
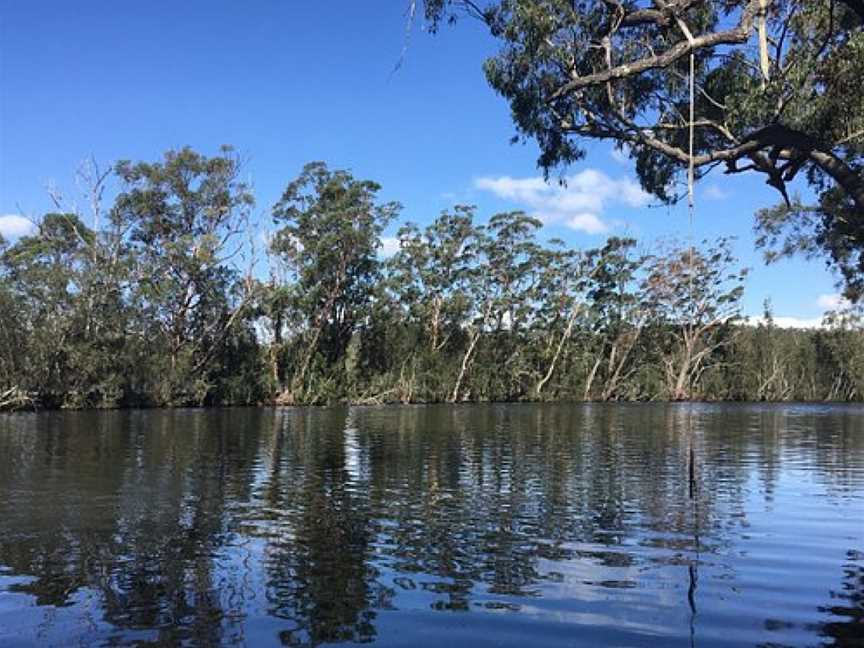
x=294 y=81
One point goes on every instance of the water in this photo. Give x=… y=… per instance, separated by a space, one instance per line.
x=500 y=525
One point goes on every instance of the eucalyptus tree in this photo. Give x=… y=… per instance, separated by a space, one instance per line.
x=844 y=338
x=693 y=298
x=185 y=217
x=617 y=319
x=502 y=288
x=511 y=251
x=428 y=278
x=100 y=348
x=331 y=224
x=12 y=340
x=69 y=319
x=769 y=376
x=559 y=303
x=272 y=304
x=44 y=274
x=430 y=269
x=771 y=363
x=776 y=90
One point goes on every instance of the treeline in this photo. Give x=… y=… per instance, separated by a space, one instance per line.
x=156 y=300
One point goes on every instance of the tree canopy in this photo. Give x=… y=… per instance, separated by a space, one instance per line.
x=147 y=304
x=777 y=92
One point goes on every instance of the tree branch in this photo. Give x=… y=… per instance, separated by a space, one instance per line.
x=735 y=36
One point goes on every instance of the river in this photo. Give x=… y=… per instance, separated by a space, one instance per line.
x=467 y=525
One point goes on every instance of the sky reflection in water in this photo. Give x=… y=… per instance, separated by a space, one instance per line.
x=500 y=525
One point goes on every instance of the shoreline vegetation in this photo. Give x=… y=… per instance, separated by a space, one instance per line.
x=166 y=296
x=32 y=408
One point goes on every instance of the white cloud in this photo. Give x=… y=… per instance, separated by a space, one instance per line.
x=389 y=246
x=789 y=322
x=587 y=222
x=15 y=226
x=831 y=301
x=825 y=301
x=798 y=322
x=578 y=202
x=714 y=192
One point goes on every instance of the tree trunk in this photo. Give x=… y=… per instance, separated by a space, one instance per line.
x=679 y=392
x=276 y=371
x=436 y=314
x=320 y=320
x=586 y=394
x=14 y=398
x=615 y=368
x=466 y=359
x=300 y=378
x=564 y=337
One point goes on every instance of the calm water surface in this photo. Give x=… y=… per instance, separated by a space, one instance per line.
x=511 y=525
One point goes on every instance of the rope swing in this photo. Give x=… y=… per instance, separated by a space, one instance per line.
x=691 y=166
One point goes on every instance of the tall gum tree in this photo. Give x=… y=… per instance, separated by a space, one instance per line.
x=503 y=285
x=693 y=297
x=616 y=317
x=330 y=229
x=44 y=274
x=428 y=278
x=185 y=216
x=429 y=271
x=559 y=304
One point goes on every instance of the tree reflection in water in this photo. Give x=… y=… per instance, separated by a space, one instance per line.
x=846 y=627
x=320 y=573
x=321 y=526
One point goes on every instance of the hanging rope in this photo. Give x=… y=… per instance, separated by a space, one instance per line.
x=691 y=173
x=691 y=170
x=691 y=167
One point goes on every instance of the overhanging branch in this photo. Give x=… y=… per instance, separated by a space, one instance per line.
x=735 y=36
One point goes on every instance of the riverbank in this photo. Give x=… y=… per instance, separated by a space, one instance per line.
x=31 y=405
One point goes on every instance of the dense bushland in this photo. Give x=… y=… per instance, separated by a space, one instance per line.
x=156 y=300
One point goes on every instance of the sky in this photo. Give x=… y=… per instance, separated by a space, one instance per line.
x=292 y=81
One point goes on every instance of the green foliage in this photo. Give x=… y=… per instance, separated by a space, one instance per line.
x=144 y=310
x=832 y=228
x=183 y=216
x=49 y=279
x=619 y=71
x=693 y=297
x=328 y=241
x=147 y=307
